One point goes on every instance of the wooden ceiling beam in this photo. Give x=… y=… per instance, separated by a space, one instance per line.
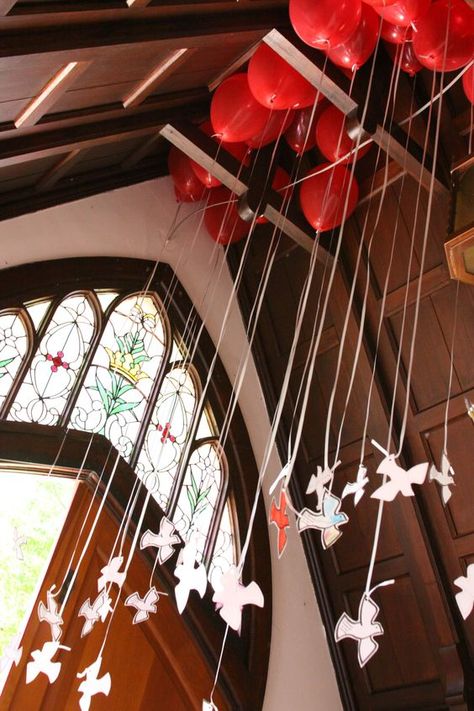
x=62 y=139
x=138 y=3
x=233 y=67
x=136 y=156
x=157 y=76
x=240 y=23
x=59 y=170
x=6 y=6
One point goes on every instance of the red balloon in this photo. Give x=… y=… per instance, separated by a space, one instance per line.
x=404 y=12
x=325 y=23
x=429 y=40
x=275 y=84
x=405 y=57
x=333 y=140
x=235 y=115
x=379 y=3
x=468 y=84
x=280 y=180
x=356 y=50
x=223 y=221
x=187 y=185
x=395 y=33
x=300 y=136
x=239 y=150
x=323 y=196
x=276 y=126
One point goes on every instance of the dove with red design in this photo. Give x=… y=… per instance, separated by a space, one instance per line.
x=279 y=518
x=230 y=597
x=143 y=605
x=400 y=480
x=164 y=540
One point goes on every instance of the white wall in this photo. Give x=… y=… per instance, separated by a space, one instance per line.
x=134 y=222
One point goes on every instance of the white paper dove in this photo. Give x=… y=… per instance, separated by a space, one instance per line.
x=144 y=605
x=164 y=540
x=18 y=542
x=465 y=598
x=99 y=609
x=444 y=477
x=230 y=597
x=190 y=577
x=318 y=481
x=357 y=488
x=92 y=684
x=209 y=706
x=327 y=521
x=365 y=628
x=51 y=615
x=42 y=662
x=111 y=574
x=11 y=655
x=400 y=479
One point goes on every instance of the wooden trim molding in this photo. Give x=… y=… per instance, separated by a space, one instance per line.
x=455 y=249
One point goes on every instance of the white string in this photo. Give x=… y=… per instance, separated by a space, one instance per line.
x=451 y=371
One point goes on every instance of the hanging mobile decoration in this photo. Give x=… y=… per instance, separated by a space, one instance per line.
x=11 y=655
x=317 y=483
x=364 y=628
x=465 y=598
x=51 y=615
x=279 y=518
x=42 y=662
x=209 y=706
x=164 y=540
x=357 y=487
x=327 y=521
x=444 y=476
x=92 y=684
x=190 y=577
x=230 y=597
x=99 y=609
x=144 y=605
x=400 y=479
x=111 y=574
x=18 y=542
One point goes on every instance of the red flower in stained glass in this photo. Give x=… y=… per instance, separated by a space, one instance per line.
x=166 y=432
x=57 y=361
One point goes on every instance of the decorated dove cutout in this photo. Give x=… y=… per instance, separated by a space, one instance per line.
x=357 y=488
x=465 y=598
x=18 y=542
x=279 y=518
x=365 y=628
x=318 y=481
x=164 y=540
x=11 y=655
x=92 y=684
x=111 y=574
x=400 y=480
x=99 y=609
x=190 y=577
x=51 y=615
x=230 y=597
x=143 y=605
x=444 y=476
x=42 y=662
x=209 y=706
x=327 y=521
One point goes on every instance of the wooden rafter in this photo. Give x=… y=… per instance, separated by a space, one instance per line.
x=6 y=6
x=59 y=170
x=162 y=71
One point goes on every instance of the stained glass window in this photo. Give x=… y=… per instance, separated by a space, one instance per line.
x=110 y=362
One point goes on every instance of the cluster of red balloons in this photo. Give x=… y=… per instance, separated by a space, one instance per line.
x=436 y=34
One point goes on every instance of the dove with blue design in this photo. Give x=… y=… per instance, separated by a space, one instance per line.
x=327 y=521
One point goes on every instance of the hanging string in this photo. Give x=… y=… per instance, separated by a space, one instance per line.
x=451 y=371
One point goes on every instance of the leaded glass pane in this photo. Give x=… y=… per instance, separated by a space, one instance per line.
x=166 y=434
x=199 y=495
x=37 y=312
x=13 y=347
x=225 y=549
x=56 y=364
x=176 y=354
x=105 y=298
x=204 y=429
x=118 y=384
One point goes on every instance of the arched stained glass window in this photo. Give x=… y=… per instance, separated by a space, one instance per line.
x=115 y=361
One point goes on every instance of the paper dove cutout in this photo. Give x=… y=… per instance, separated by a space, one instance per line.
x=99 y=609
x=279 y=518
x=110 y=573
x=164 y=540
x=51 y=615
x=327 y=521
x=144 y=605
x=445 y=477
x=42 y=663
x=357 y=488
x=400 y=479
x=190 y=577
x=230 y=597
x=209 y=706
x=11 y=655
x=465 y=598
x=18 y=542
x=93 y=684
x=317 y=483
x=364 y=629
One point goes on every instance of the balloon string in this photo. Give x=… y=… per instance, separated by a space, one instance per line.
x=219 y=664
x=451 y=370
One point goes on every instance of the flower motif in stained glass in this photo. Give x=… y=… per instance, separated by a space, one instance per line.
x=56 y=364
x=224 y=555
x=199 y=495
x=167 y=433
x=118 y=384
x=13 y=348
